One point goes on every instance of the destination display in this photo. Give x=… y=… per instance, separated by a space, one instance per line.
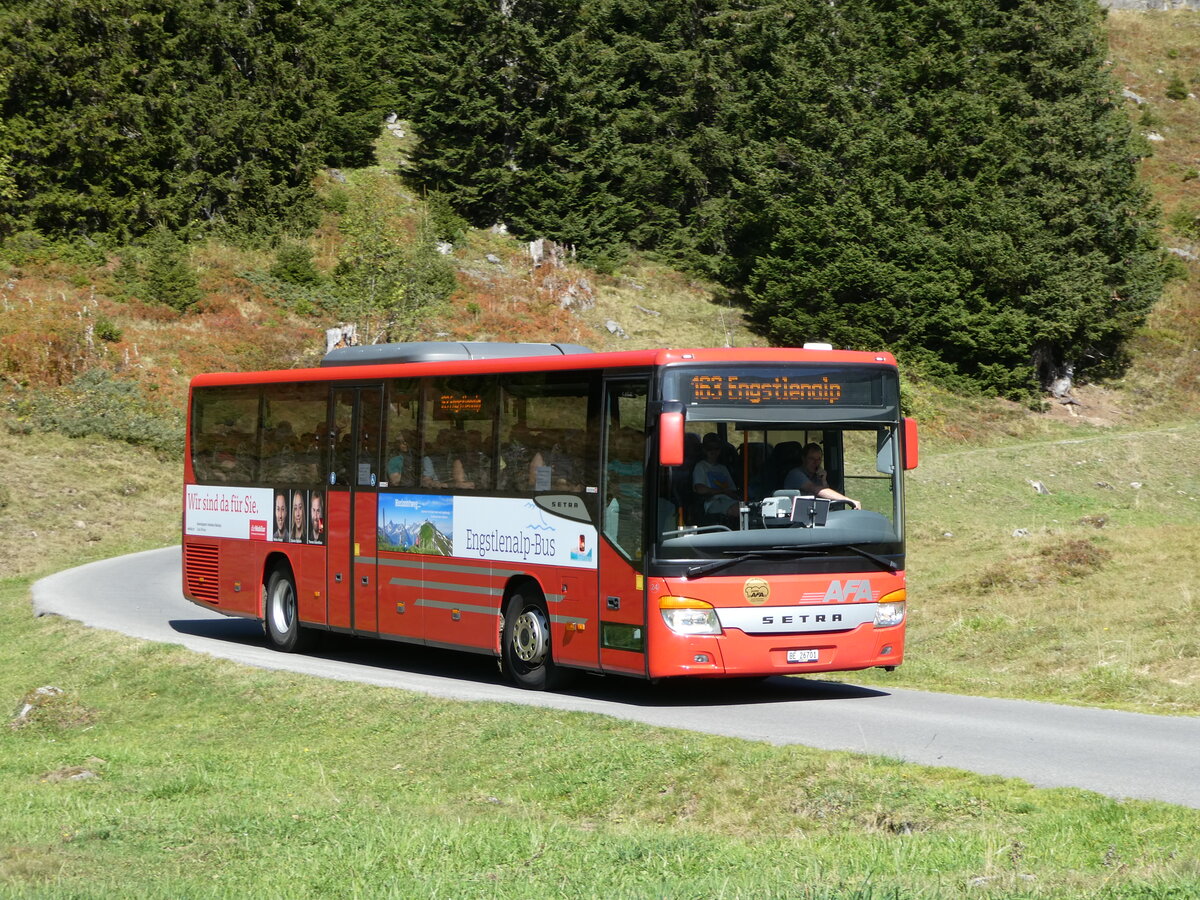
x=791 y=387
x=456 y=406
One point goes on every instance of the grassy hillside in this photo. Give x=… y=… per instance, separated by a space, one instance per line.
x=1156 y=57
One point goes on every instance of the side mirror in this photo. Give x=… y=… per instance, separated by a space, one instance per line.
x=670 y=439
x=910 y=444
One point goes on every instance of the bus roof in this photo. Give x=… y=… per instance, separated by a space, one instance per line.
x=454 y=358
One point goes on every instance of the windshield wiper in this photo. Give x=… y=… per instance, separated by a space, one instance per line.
x=709 y=567
x=865 y=554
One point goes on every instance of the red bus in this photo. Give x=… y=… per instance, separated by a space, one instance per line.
x=657 y=513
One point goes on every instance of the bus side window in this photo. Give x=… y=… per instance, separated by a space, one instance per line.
x=545 y=443
x=458 y=429
x=292 y=415
x=625 y=467
x=400 y=462
x=225 y=434
x=340 y=437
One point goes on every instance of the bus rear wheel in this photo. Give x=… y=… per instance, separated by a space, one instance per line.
x=282 y=614
x=527 y=652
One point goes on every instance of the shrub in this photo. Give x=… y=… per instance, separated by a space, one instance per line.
x=294 y=265
x=106 y=330
x=170 y=278
x=98 y=404
x=1185 y=219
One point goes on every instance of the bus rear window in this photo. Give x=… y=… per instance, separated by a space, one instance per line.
x=225 y=434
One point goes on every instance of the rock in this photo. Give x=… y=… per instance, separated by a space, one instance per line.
x=340 y=336
x=576 y=296
x=494 y=259
x=1021 y=533
x=32 y=701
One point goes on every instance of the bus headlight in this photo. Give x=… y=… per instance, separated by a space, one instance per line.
x=890 y=610
x=684 y=615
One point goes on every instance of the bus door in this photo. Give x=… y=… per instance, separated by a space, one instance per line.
x=623 y=527
x=356 y=420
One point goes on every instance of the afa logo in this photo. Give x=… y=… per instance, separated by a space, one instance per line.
x=851 y=591
x=757 y=591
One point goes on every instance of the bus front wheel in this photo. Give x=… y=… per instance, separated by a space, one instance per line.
x=528 y=656
x=282 y=614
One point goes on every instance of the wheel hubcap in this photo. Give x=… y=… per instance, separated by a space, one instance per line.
x=282 y=609
x=530 y=637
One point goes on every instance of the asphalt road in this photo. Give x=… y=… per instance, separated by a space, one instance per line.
x=1126 y=755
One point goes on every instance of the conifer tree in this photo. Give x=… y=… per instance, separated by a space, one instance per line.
x=169 y=276
x=975 y=204
x=128 y=114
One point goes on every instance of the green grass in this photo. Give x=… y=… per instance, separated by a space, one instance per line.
x=1083 y=595
x=217 y=780
x=213 y=779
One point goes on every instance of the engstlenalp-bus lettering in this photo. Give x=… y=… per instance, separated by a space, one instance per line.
x=523 y=545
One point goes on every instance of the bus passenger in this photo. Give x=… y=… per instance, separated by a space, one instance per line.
x=712 y=482
x=475 y=461
x=809 y=478
x=565 y=459
x=517 y=459
x=399 y=465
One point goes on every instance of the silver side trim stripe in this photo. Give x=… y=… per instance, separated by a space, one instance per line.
x=488 y=610
x=484 y=590
x=493 y=571
x=461 y=607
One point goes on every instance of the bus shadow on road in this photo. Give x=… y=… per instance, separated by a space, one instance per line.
x=233 y=631
x=718 y=692
x=436 y=662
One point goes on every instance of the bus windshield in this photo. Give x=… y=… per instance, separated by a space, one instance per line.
x=783 y=460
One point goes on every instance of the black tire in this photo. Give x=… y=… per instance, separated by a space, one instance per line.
x=526 y=647
x=281 y=615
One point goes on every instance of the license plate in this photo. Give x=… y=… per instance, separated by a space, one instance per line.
x=803 y=655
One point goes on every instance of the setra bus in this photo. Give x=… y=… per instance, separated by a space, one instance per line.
x=657 y=513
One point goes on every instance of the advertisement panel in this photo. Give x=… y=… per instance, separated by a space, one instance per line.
x=232 y=512
x=501 y=529
x=258 y=514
